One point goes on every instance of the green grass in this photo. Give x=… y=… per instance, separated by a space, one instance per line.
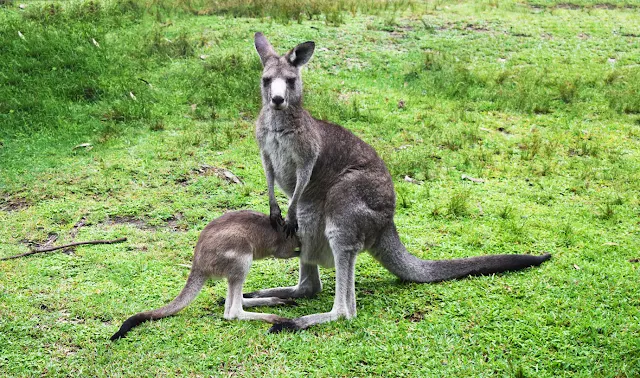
x=539 y=99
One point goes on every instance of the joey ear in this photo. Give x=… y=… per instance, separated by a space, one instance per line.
x=263 y=47
x=301 y=54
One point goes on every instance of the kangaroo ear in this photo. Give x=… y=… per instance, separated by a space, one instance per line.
x=263 y=47
x=301 y=54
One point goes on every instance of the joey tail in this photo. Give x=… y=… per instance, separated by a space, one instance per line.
x=392 y=254
x=194 y=284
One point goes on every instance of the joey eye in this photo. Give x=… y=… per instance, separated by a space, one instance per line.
x=291 y=82
x=266 y=81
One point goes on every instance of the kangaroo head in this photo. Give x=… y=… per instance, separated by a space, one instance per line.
x=281 y=81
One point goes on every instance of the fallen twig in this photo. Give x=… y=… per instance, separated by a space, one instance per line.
x=473 y=179
x=33 y=252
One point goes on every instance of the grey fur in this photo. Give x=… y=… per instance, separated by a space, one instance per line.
x=225 y=249
x=342 y=199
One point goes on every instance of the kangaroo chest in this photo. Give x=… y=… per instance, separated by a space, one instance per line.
x=280 y=147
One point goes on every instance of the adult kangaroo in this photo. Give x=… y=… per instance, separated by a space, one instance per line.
x=341 y=194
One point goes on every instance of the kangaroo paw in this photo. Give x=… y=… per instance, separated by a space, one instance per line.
x=290 y=228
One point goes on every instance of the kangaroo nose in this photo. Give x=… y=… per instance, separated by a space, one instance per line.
x=278 y=100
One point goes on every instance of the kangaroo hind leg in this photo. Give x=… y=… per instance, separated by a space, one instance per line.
x=344 y=305
x=309 y=285
x=267 y=301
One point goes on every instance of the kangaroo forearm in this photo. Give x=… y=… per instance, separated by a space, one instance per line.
x=273 y=202
x=269 y=175
x=302 y=179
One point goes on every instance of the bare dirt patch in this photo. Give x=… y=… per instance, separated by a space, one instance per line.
x=478 y=28
x=207 y=170
x=568 y=6
x=605 y=6
x=416 y=317
x=400 y=31
x=172 y=224
x=573 y=6
x=38 y=244
x=632 y=35
x=128 y=220
x=12 y=204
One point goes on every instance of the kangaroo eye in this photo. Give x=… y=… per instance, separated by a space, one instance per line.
x=291 y=82
x=266 y=81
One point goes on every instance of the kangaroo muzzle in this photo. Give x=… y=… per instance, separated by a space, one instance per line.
x=278 y=94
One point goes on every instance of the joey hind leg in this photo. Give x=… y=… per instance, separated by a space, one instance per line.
x=233 y=305
x=267 y=301
x=309 y=285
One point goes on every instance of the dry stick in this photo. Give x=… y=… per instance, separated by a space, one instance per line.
x=65 y=246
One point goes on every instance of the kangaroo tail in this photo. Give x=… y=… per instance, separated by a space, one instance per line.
x=392 y=254
x=194 y=284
